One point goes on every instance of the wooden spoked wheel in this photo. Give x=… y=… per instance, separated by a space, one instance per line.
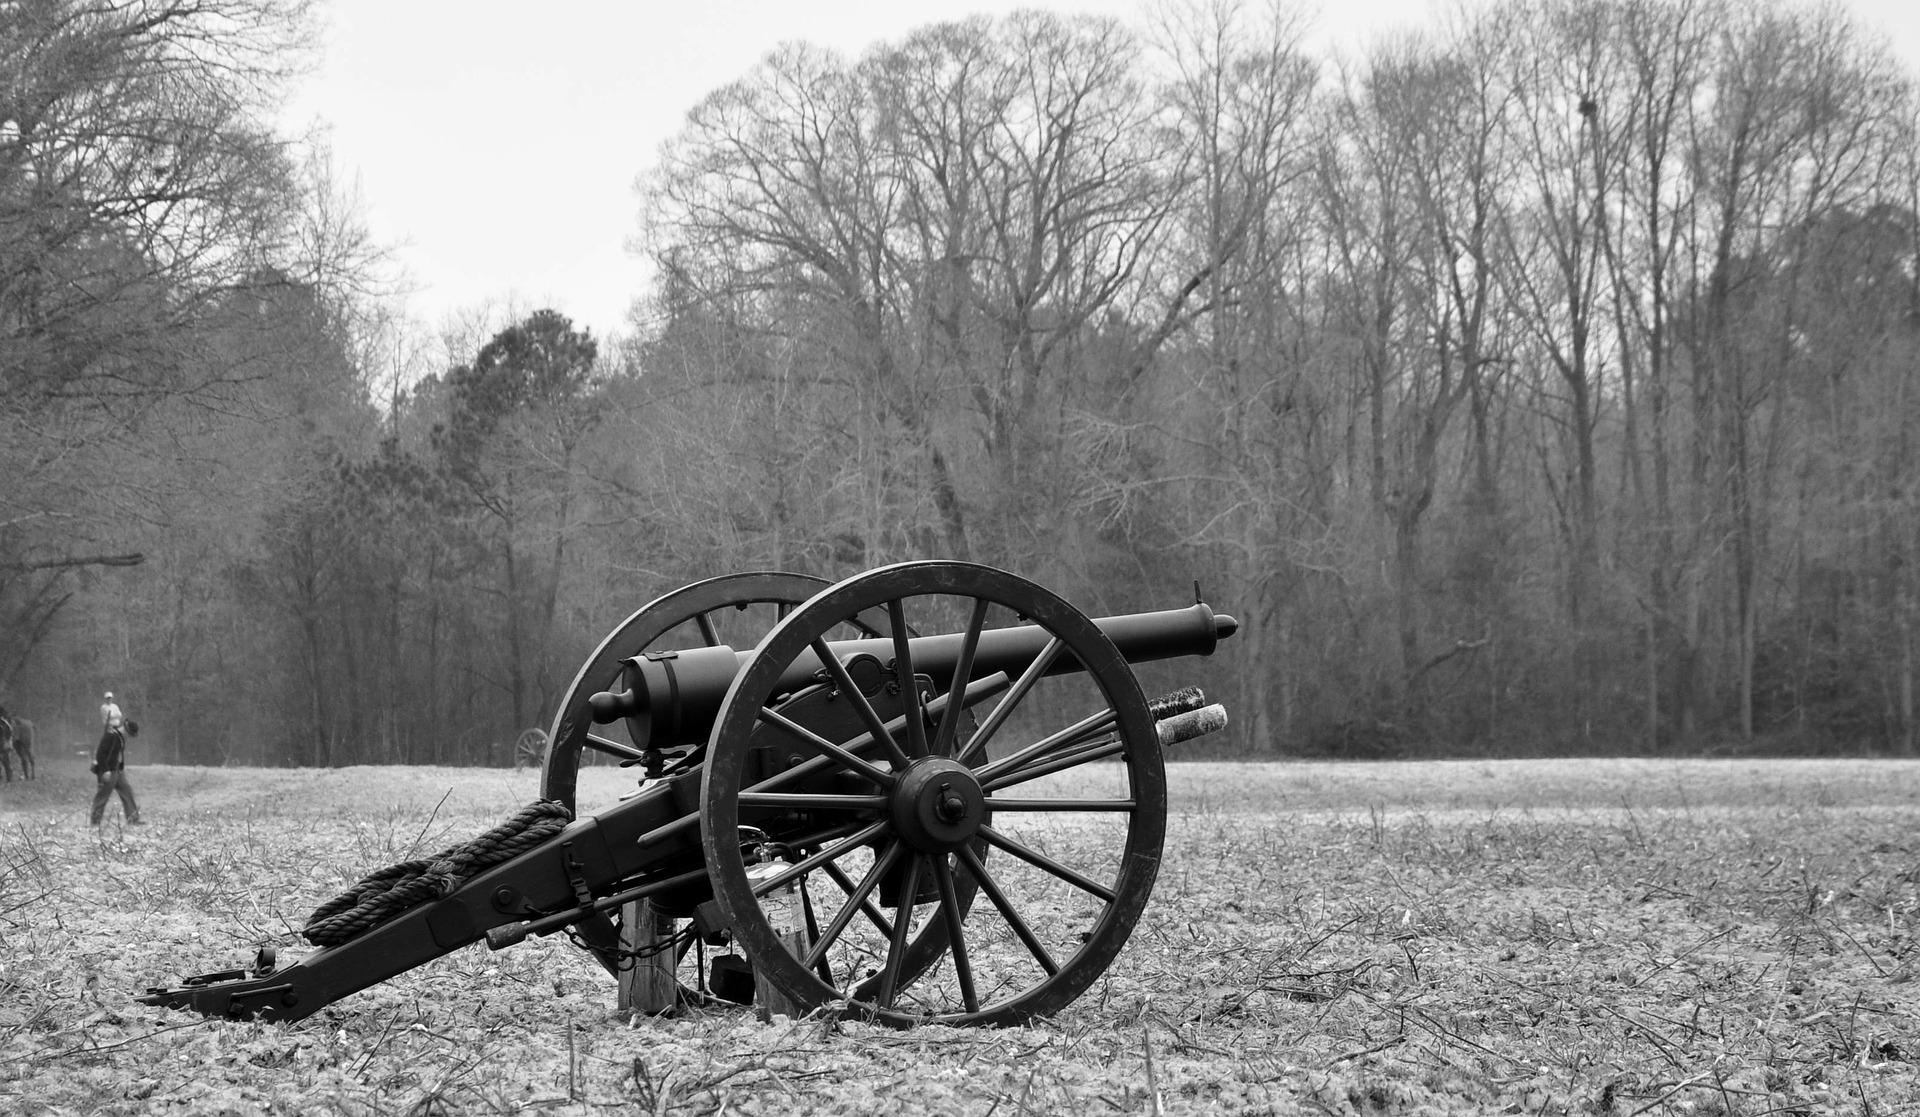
x=1061 y=777
x=736 y=610
x=530 y=748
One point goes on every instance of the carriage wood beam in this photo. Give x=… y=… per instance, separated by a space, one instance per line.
x=602 y=850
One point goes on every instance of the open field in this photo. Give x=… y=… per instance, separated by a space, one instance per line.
x=1572 y=937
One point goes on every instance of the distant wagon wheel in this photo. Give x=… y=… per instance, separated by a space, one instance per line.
x=736 y=610
x=530 y=748
x=899 y=816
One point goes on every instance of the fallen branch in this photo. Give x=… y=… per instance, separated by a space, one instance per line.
x=134 y=558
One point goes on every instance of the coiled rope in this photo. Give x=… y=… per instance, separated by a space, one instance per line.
x=395 y=889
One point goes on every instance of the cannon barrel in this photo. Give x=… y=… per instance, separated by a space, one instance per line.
x=672 y=697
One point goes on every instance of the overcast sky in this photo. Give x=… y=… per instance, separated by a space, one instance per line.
x=496 y=145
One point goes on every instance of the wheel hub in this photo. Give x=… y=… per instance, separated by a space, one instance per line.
x=938 y=805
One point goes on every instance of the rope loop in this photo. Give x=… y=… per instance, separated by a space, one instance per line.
x=380 y=896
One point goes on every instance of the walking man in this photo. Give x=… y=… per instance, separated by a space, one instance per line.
x=23 y=746
x=18 y=732
x=110 y=763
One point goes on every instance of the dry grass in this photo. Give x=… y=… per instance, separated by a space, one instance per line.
x=1613 y=937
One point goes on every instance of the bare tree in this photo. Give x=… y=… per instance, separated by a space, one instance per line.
x=139 y=191
x=1800 y=128
x=1407 y=289
x=1221 y=443
x=1665 y=51
x=1566 y=141
x=774 y=211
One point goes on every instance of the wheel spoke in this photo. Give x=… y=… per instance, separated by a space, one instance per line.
x=956 y=933
x=1027 y=805
x=1072 y=735
x=809 y=767
x=944 y=736
x=813 y=861
x=708 y=633
x=820 y=969
x=825 y=834
x=691 y=821
x=1040 y=860
x=897 y=948
x=1015 y=694
x=612 y=748
x=856 y=901
x=978 y=690
x=867 y=907
x=991 y=887
x=824 y=747
x=903 y=674
x=1099 y=750
x=818 y=802
x=859 y=702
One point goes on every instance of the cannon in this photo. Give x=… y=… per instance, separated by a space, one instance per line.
x=931 y=792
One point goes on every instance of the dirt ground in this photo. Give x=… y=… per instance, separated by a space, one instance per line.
x=1567 y=937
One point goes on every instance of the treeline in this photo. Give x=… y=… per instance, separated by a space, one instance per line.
x=1539 y=383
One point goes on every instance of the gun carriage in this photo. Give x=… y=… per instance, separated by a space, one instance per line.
x=961 y=827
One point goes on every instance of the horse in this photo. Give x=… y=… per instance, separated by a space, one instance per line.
x=16 y=739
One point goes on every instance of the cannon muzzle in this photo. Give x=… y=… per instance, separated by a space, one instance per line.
x=672 y=697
